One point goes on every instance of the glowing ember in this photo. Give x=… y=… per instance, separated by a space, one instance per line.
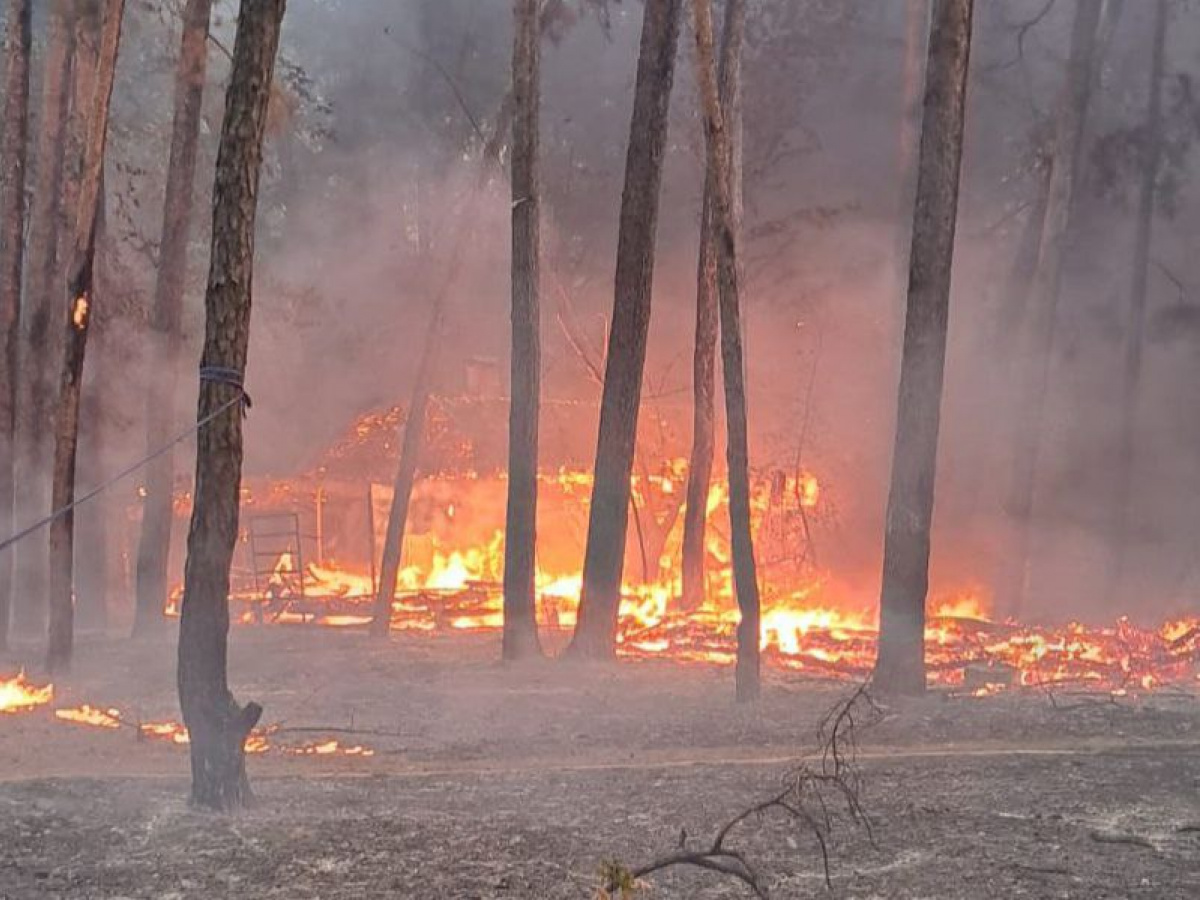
x=18 y=695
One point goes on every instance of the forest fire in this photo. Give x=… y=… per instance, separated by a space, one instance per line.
x=17 y=694
x=453 y=561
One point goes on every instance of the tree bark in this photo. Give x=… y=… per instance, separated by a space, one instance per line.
x=217 y=724
x=154 y=544
x=80 y=299
x=721 y=167
x=900 y=667
x=33 y=382
x=1034 y=373
x=916 y=32
x=520 y=540
x=695 y=514
x=406 y=469
x=1151 y=148
x=608 y=519
x=18 y=39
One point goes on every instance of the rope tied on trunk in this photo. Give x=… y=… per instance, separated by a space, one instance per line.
x=229 y=376
x=211 y=374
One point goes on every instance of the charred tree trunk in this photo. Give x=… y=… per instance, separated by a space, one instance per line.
x=1034 y=373
x=33 y=378
x=154 y=543
x=721 y=168
x=217 y=724
x=1151 y=148
x=608 y=519
x=695 y=515
x=18 y=39
x=406 y=473
x=84 y=60
x=520 y=537
x=900 y=667
x=81 y=297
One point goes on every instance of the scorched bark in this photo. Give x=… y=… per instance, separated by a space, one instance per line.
x=900 y=667
x=77 y=313
x=608 y=519
x=695 y=515
x=18 y=38
x=520 y=535
x=35 y=355
x=217 y=724
x=721 y=166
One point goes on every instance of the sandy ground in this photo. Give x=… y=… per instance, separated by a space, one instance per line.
x=516 y=782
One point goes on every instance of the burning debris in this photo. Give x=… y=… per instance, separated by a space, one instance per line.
x=259 y=741
x=17 y=694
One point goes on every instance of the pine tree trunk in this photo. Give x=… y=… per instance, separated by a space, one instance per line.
x=722 y=172
x=1132 y=376
x=695 y=514
x=78 y=313
x=92 y=546
x=154 y=544
x=406 y=469
x=34 y=390
x=217 y=724
x=608 y=520
x=18 y=39
x=520 y=539
x=1034 y=372
x=900 y=667
x=916 y=32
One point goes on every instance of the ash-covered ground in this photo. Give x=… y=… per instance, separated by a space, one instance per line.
x=518 y=782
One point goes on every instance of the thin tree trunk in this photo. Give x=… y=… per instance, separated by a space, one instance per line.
x=406 y=469
x=33 y=381
x=916 y=33
x=900 y=667
x=84 y=60
x=695 y=515
x=608 y=520
x=154 y=544
x=1034 y=373
x=18 y=39
x=1151 y=148
x=520 y=539
x=81 y=297
x=217 y=724
x=722 y=167
x=92 y=546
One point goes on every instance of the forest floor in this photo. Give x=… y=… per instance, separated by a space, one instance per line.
x=492 y=781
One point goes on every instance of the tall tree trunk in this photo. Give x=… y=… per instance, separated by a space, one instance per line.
x=1034 y=373
x=33 y=378
x=916 y=33
x=1151 y=148
x=84 y=60
x=900 y=667
x=18 y=39
x=93 y=545
x=608 y=519
x=721 y=176
x=520 y=537
x=217 y=724
x=695 y=514
x=81 y=297
x=406 y=468
x=154 y=544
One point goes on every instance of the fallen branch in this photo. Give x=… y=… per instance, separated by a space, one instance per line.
x=1113 y=837
x=810 y=793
